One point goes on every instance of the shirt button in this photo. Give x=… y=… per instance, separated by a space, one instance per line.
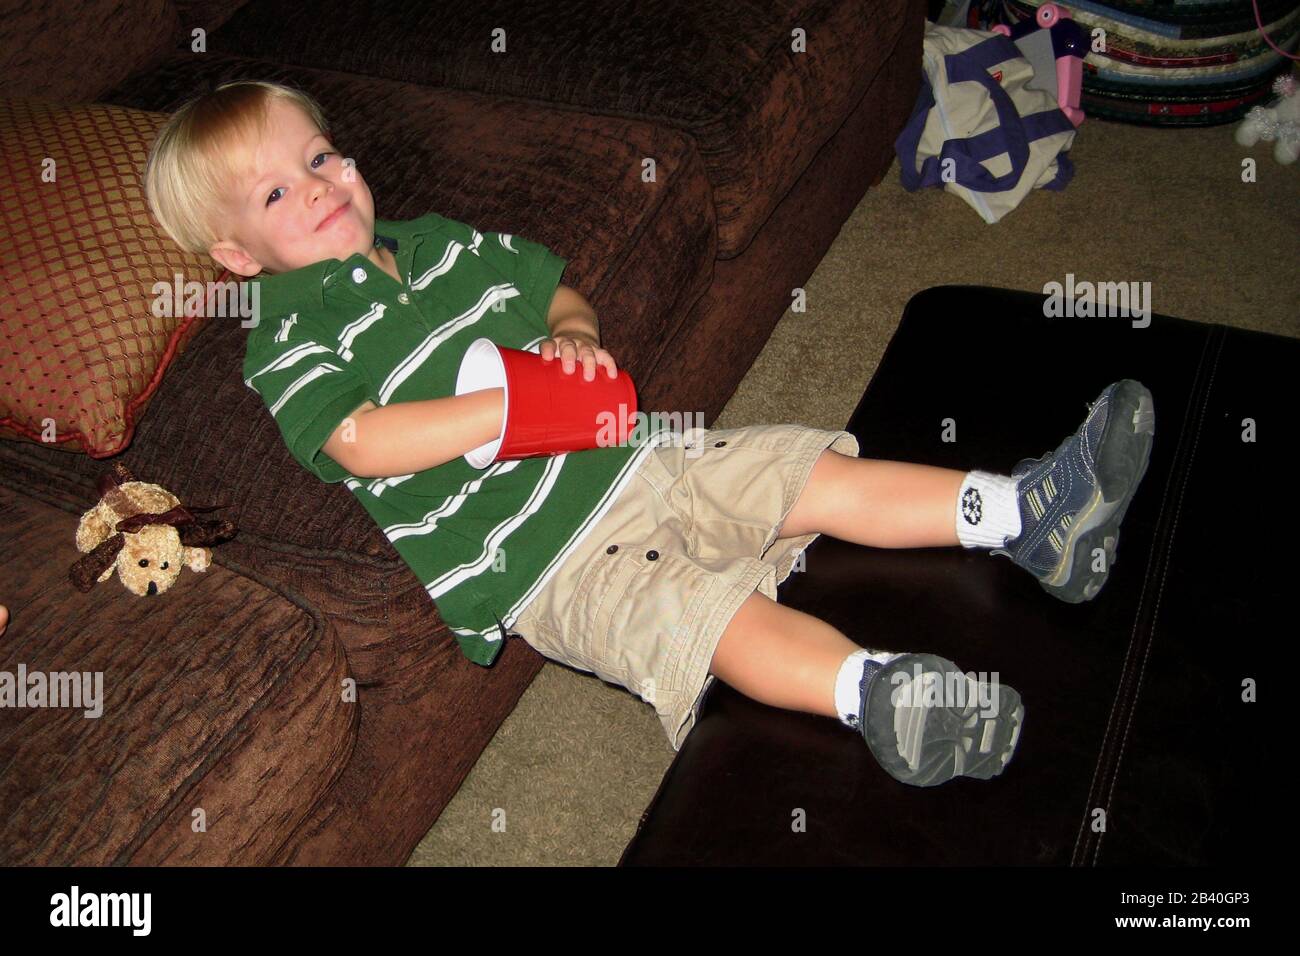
x=611 y=549
x=358 y=275
x=652 y=555
x=403 y=298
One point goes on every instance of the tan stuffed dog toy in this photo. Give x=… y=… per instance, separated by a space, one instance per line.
x=141 y=531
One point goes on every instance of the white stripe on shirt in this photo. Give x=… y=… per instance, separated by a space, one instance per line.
x=411 y=364
x=356 y=327
x=377 y=487
x=311 y=376
x=541 y=491
x=441 y=267
x=448 y=506
x=285 y=326
x=291 y=357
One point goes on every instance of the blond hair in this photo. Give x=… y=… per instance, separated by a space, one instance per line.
x=199 y=151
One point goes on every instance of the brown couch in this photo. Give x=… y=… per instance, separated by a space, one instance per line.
x=225 y=695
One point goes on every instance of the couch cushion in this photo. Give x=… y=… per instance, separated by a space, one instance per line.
x=208 y=694
x=208 y=14
x=723 y=71
x=81 y=349
x=71 y=52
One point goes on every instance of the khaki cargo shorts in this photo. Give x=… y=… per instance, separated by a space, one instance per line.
x=647 y=594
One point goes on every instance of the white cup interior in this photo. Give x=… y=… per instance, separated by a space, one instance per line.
x=482 y=368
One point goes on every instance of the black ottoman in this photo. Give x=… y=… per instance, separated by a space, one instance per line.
x=1138 y=746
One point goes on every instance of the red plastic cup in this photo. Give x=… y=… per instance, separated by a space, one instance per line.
x=547 y=412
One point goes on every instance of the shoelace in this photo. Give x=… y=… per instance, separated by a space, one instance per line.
x=1041 y=458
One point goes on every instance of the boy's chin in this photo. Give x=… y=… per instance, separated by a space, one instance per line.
x=353 y=242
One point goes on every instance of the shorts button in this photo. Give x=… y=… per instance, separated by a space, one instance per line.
x=718 y=444
x=611 y=549
x=652 y=555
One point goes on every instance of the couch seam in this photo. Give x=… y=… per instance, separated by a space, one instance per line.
x=1156 y=553
x=1164 y=573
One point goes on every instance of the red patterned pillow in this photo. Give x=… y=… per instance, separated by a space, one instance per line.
x=81 y=350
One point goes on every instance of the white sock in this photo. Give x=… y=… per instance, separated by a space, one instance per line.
x=848 y=695
x=988 y=512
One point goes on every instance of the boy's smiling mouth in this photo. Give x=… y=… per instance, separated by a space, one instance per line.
x=334 y=216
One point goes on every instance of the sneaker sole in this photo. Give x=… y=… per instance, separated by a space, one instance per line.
x=1121 y=463
x=927 y=742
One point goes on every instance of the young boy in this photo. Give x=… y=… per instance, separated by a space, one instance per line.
x=653 y=564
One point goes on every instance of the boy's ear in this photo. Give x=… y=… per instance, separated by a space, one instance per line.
x=235 y=258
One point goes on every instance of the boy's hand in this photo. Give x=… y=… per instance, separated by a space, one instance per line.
x=576 y=346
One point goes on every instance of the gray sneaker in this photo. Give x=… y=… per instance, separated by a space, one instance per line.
x=926 y=721
x=1072 y=500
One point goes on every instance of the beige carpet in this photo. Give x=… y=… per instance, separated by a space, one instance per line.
x=573 y=768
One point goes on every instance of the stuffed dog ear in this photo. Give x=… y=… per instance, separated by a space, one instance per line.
x=111 y=479
x=86 y=571
x=201 y=534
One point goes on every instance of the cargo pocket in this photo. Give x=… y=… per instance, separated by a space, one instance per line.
x=674 y=490
x=601 y=589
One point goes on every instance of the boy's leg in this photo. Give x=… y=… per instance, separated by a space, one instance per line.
x=1057 y=516
x=881 y=504
x=950 y=725
x=780 y=656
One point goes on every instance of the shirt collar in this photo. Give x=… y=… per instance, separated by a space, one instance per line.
x=302 y=290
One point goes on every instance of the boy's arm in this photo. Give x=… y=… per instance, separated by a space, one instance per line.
x=406 y=437
x=570 y=313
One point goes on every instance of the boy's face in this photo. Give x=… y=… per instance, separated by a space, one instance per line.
x=273 y=216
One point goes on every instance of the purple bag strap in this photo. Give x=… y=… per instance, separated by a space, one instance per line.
x=1012 y=135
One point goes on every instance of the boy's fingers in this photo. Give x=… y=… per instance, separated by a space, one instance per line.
x=571 y=351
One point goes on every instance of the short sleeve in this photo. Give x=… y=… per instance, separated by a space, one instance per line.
x=537 y=268
x=309 y=390
x=531 y=267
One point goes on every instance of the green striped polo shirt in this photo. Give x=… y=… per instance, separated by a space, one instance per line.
x=331 y=335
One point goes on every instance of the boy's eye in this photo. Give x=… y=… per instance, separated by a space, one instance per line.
x=272 y=197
